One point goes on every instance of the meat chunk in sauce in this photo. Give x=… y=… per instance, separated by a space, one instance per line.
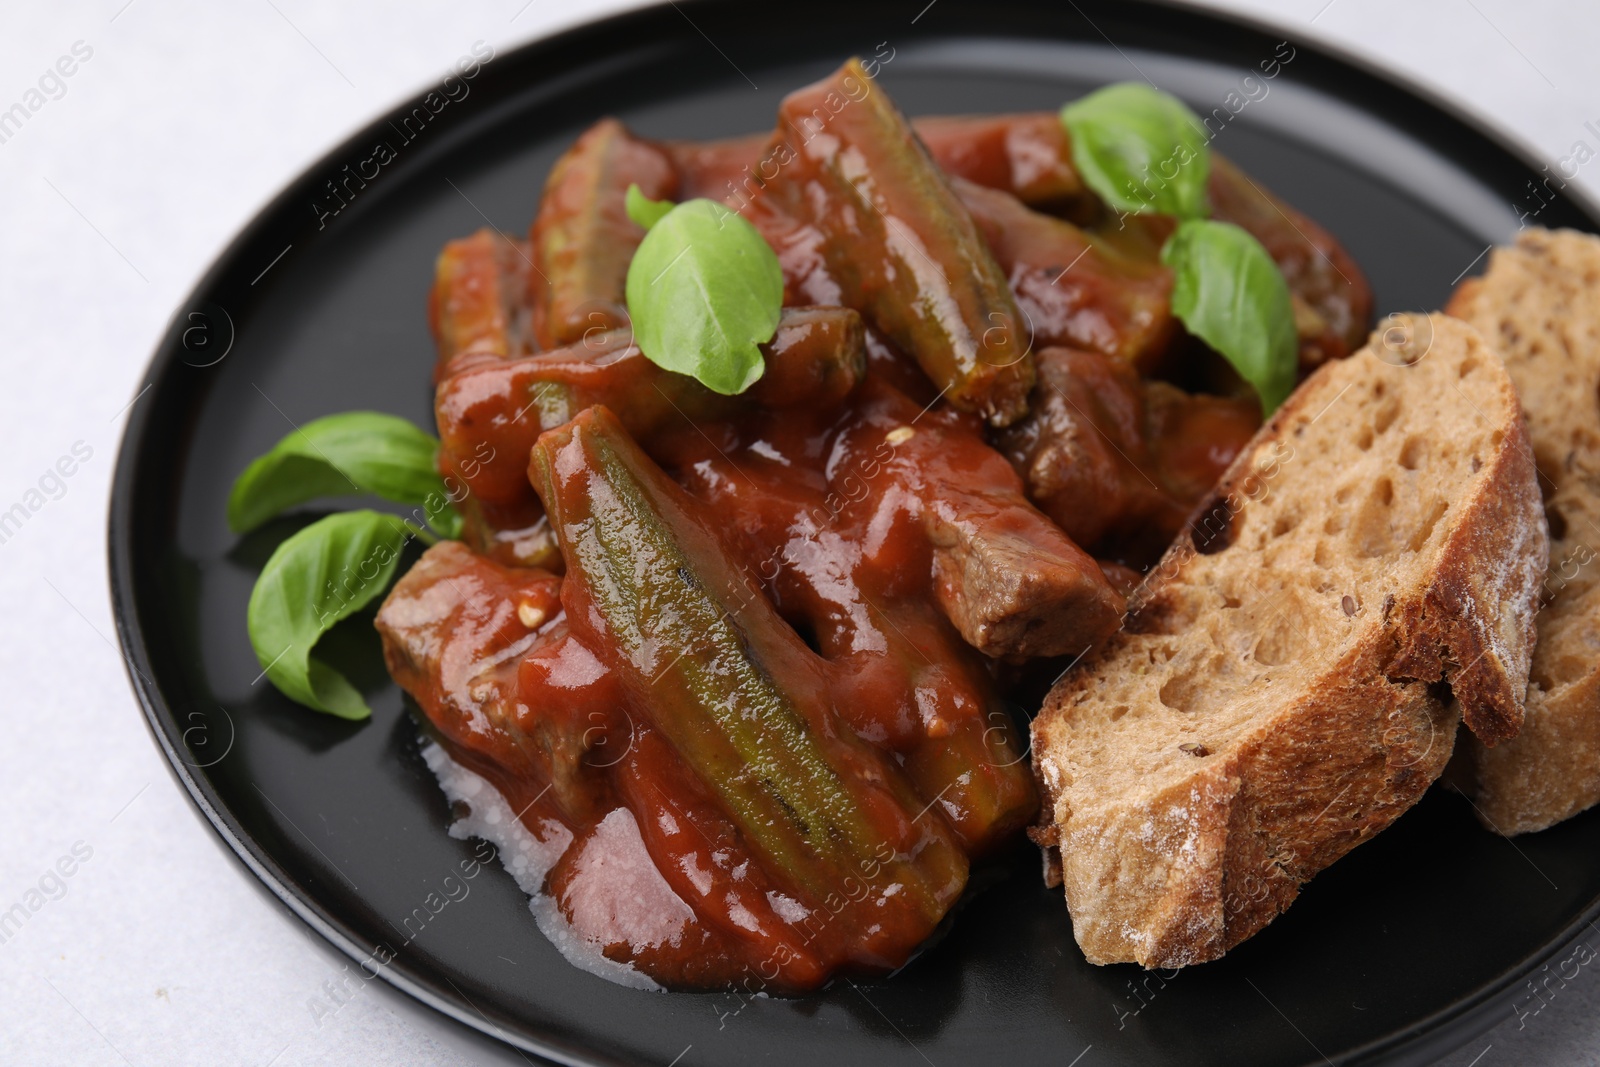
x=1119 y=463
x=1006 y=577
x=490 y=411
x=1026 y=154
x=1073 y=287
x=459 y=631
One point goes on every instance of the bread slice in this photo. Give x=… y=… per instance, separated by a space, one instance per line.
x=1539 y=306
x=1281 y=689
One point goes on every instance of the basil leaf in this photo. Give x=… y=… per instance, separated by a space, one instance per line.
x=1142 y=150
x=324 y=573
x=704 y=289
x=356 y=452
x=643 y=210
x=1230 y=294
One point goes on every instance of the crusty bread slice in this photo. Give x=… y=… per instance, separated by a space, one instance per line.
x=1281 y=690
x=1538 y=305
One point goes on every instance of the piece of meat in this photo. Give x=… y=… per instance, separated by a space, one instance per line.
x=1028 y=155
x=1009 y=580
x=467 y=638
x=490 y=416
x=1116 y=462
x=723 y=170
x=1332 y=301
x=1194 y=436
x=1074 y=288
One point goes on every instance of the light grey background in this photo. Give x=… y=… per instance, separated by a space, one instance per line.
x=187 y=117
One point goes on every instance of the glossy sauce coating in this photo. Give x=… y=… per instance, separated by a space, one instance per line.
x=1333 y=302
x=1028 y=155
x=826 y=520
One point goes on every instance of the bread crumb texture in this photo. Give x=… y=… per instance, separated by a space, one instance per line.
x=1282 y=687
x=1538 y=306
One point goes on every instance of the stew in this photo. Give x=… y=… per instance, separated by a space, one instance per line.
x=743 y=662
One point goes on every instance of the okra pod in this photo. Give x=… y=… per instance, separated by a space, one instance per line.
x=583 y=239
x=476 y=305
x=701 y=855
x=736 y=692
x=478 y=313
x=899 y=244
x=977 y=776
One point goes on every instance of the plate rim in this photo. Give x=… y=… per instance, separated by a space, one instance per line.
x=1434 y=1034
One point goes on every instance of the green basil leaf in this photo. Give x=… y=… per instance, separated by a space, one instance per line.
x=1231 y=295
x=341 y=455
x=704 y=289
x=1142 y=150
x=324 y=573
x=643 y=210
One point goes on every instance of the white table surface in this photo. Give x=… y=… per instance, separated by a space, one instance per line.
x=185 y=119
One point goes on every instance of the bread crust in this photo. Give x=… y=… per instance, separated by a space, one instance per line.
x=1536 y=305
x=1475 y=626
x=1211 y=854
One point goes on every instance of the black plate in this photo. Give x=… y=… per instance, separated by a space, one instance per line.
x=1401 y=951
